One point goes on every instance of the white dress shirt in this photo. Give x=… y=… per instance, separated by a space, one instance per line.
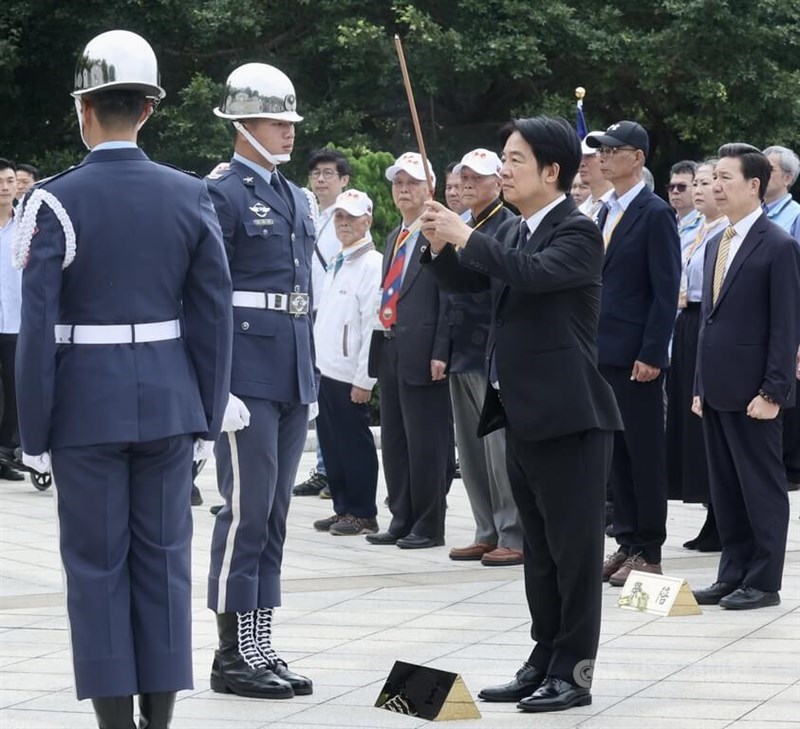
x=742 y=228
x=10 y=282
x=617 y=205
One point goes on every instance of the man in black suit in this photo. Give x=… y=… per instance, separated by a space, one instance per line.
x=745 y=376
x=408 y=355
x=641 y=277
x=543 y=386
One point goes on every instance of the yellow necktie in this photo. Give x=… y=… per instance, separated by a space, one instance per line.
x=722 y=259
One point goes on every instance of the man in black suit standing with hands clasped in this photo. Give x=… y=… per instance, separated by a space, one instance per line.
x=750 y=329
x=641 y=277
x=544 y=387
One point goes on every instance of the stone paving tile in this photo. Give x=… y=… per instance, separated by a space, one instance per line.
x=351 y=609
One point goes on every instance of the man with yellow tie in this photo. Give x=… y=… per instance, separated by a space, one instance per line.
x=641 y=277
x=745 y=377
x=408 y=354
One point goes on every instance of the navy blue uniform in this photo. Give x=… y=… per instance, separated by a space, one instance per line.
x=120 y=418
x=269 y=239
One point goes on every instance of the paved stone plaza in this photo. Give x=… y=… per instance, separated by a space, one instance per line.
x=351 y=609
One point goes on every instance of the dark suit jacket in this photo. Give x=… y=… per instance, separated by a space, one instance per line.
x=421 y=329
x=748 y=340
x=641 y=277
x=470 y=315
x=546 y=301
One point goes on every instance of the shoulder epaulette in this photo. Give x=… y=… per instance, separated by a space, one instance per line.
x=46 y=180
x=179 y=169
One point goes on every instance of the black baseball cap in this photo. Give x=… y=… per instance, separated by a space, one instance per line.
x=620 y=134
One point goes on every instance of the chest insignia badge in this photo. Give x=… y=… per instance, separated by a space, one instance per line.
x=260 y=209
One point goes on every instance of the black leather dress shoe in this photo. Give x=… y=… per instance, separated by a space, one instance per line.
x=382 y=538
x=524 y=683
x=555 y=694
x=414 y=541
x=301 y=685
x=9 y=474
x=749 y=598
x=712 y=595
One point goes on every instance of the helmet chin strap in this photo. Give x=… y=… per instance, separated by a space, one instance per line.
x=79 y=112
x=273 y=159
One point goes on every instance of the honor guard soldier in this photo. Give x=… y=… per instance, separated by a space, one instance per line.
x=269 y=231
x=123 y=377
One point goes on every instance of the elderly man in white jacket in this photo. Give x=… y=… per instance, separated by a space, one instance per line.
x=345 y=319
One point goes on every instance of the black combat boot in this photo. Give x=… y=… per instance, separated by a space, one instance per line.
x=239 y=667
x=114 y=712
x=155 y=710
x=301 y=685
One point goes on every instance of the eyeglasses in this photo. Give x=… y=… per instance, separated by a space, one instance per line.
x=325 y=174
x=611 y=151
x=677 y=187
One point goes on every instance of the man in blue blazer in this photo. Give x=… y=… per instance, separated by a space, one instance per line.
x=123 y=364
x=745 y=378
x=641 y=275
x=268 y=232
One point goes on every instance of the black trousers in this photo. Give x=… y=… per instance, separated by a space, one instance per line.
x=351 y=460
x=748 y=490
x=559 y=488
x=687 y=471
x=415 y=439
x=8 y=392
x=791 y=440
x=638 y=470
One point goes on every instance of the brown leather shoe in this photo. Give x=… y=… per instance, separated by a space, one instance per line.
x=473 y=552
x=502 y=557
x=613 y=563
x=636 y=562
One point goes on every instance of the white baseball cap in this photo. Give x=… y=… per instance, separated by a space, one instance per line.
x=481 y=161
x=355 y=202
x=410 y=162
x=585 y=148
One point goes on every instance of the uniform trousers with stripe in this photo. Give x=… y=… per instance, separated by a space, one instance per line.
x=125 y=532
x=256 y=468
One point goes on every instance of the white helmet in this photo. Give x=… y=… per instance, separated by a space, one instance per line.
x=118 y=59
x=259 y=91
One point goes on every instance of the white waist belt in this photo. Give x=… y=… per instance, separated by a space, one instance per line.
x=293 y=303
x=157 y=331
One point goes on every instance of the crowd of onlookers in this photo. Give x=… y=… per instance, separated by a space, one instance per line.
x=437 y=342
x=427 y=350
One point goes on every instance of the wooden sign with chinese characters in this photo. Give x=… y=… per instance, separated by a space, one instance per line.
x=657 y=595
x=427 y=693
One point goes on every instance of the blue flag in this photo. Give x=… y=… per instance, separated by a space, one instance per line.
x=580 y=121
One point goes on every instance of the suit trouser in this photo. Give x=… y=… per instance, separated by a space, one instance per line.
x=352 y=461
x=559 y=487
x=8 y=391
x=256 y=468
x=414 y=442
x=791 y=440
x=483 y=466
x=748 y=490
x=125 y=530
x=638 y=470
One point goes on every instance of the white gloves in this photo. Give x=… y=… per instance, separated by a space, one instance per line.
x=313 y=410
x=236 y=417
x=40 y=463
x=203 y=449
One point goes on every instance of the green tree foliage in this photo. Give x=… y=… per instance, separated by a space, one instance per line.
x=696 y=73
